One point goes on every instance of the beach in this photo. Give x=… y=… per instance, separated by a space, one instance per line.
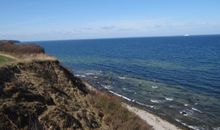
x=180 y=87
x=155 y=121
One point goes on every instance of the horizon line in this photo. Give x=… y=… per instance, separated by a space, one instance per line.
x=105 y=38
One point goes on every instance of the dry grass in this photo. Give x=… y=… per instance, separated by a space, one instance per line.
x=114 y=115
x=38 y=57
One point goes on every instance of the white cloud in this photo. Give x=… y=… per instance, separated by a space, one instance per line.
x=120 y=28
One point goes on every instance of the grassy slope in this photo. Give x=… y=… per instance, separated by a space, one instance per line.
x=114 y=115
x=4 y=59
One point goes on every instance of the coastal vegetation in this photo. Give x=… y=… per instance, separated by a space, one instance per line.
x=39 y=93
x=114 y=115
x=18 y=49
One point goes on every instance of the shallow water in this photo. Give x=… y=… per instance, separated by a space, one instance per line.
x=178 y=77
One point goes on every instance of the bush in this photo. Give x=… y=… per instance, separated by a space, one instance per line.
x=11 y=47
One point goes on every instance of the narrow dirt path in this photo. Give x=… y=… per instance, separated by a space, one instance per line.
x=9 y=56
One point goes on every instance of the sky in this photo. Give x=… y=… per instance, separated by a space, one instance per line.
x=35 y=20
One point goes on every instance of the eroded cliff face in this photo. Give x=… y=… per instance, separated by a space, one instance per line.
x=44 y=95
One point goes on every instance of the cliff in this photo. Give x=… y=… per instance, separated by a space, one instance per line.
x=38 y=93
x=43 y=95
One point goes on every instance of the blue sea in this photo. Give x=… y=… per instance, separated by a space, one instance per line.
x=176 y=77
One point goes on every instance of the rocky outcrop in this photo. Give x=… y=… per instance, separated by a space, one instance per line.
x=44 y=95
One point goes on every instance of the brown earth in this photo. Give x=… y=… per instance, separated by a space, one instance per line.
x=44 y=95
x=38 y=93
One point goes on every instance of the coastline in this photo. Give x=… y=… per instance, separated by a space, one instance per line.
x=155 y=121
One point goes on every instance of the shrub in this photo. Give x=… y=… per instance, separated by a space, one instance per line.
x=11 y=47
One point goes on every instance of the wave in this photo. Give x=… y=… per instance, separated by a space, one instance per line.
x=194 y=109
x=154 y=87
x=169 y=99
x=131 y=100
x=126 y=98
x=78 y=75
x=155 y=101
x=195 y=78
x=89 y=73
x=123 y=78
x=189 y=126
x=106 y=86
x=186 y=105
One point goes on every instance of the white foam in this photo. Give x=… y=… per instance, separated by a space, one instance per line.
x=186 y=105
x=169 y=99
x=155 y=101
x=216 y=128
x=149 y=106
x=77 y=75
x=126 y=98
x=120 y=77
x=142 y=104
x=189 y=126
x=115 y=93
x=154 y=87
x=106 y=86
x=95 y=77
x=196 y=110
x=89 y=73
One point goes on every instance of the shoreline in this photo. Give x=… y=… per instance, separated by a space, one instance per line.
x=154 y=120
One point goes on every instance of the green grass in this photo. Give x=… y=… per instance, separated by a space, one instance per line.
x=4 y=59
